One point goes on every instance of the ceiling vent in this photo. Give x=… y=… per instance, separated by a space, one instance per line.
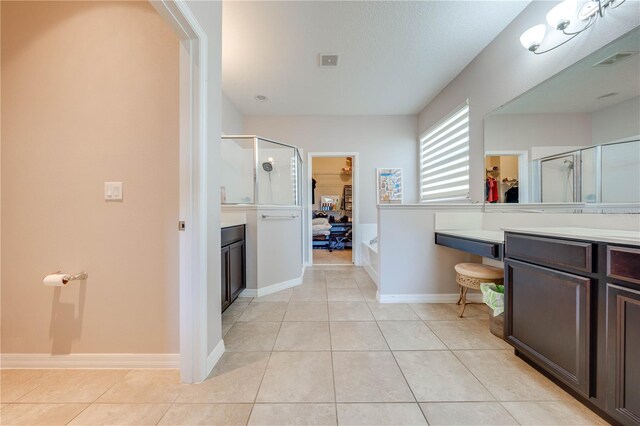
x=328 y=60
x=614 y=59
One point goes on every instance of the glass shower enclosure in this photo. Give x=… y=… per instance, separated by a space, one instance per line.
x=598 y=174
x=259 y=171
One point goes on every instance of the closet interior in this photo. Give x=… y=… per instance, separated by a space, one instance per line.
x=332 y=212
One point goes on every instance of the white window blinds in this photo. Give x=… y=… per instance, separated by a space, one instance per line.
x=444 y=158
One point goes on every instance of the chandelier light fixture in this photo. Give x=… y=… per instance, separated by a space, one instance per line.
x=561 y=16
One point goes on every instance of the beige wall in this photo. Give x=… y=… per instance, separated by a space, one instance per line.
x=89 y=94
x=327 y=171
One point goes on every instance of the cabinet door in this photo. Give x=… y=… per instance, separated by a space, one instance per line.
x=225 y=298
x=623 y=354
x=236 y=269
x=547 y=319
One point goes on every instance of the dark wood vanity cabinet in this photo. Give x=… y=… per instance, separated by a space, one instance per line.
x=573 y=312
x=623 y=334
x=548 y=319
x=233 y=263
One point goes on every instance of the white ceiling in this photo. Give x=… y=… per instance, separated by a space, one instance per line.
x=576 y=89
x=394 y=56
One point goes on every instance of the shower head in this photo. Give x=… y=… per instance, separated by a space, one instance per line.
x=267 y=166
x=569 y=164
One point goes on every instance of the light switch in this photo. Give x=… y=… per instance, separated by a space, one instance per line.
x=113 y=191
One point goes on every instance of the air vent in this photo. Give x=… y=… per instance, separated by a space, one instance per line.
x=614 y=59
x=328 y=59
x=607 y=95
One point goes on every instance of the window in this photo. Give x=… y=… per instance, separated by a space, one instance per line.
x=444 y=158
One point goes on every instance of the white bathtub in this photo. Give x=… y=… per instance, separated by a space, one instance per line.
x=370 y=259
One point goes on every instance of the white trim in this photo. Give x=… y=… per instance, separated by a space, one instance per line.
x=251 y=207
x=373 y=274
x=215 y=356
x=368 y=267
x=264 y=291
x=426 y=298
x=355 y=219
x=193 y=187
x=533 y=207
x=90 y=361
x=433 y=206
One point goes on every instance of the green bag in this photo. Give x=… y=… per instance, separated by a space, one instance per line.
x=493 y=296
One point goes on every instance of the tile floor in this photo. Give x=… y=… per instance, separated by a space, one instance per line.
x=336 y=257
x=322 y=353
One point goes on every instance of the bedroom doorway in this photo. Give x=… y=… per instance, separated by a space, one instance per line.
x=332 y=208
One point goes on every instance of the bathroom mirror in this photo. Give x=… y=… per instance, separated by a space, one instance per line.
x=575 y=138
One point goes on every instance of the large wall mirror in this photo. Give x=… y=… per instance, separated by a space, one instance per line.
x=575 y=138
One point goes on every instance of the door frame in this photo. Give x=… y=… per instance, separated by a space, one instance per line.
x=193 y=187
x=355 y=251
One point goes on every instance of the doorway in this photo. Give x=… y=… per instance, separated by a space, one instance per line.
x=506 y=177
x=332 y=208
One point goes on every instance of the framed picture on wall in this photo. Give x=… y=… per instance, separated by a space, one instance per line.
x=389 y=185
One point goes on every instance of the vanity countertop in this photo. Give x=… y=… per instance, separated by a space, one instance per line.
x=589 y=234
x=229 y=224
x=228 y=220
x=475 y=234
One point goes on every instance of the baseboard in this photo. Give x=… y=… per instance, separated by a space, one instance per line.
x=215 y=356
x=371 y=272
x=265 y=291
x=425 y=298
x=90 y=361
x=249 y=292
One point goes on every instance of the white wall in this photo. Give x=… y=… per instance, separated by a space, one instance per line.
x=236 y=170
x=412 y=268
x=209 y=16
x=231 y=117
x=382 y=141
x=618 y=122
x=504 y=70
x=523 y=132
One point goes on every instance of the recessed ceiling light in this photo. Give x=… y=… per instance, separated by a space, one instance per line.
x=607 y=95
x=261 y=98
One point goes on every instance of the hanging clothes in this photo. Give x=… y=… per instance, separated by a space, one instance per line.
x=492 y=190
x=313 y=191
x=511 y=195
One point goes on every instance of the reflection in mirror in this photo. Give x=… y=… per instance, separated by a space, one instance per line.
x=573 y=138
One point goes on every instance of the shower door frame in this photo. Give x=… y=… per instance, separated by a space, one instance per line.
x=577 y=174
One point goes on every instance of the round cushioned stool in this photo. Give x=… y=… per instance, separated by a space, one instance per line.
x=471 y=275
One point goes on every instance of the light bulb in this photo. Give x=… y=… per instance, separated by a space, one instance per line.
x=561 y=15
x=532 y=38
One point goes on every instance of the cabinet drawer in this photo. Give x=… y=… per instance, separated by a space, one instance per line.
x=491 y=250
x=232 y=234
x=623 y=263
x=550 y=251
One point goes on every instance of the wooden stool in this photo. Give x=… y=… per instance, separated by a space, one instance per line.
x=471 y=275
